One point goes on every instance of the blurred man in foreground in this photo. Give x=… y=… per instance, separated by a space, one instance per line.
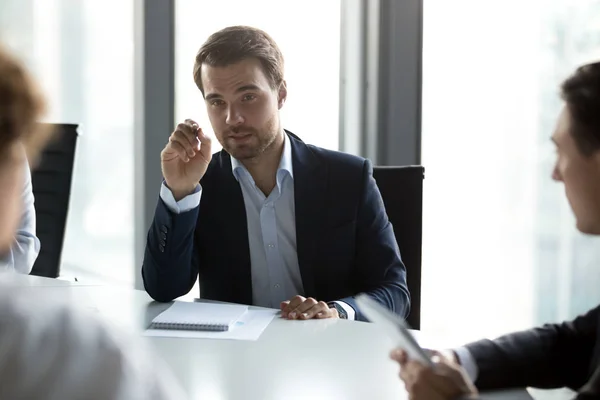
x=555 y=355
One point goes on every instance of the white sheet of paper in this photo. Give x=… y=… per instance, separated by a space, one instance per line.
x=250 y=327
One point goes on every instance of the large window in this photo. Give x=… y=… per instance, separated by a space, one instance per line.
x=82 y=54
x=500 y=249
x=308 y=34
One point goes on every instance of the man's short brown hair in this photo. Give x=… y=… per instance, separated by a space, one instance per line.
x=581 y=93
x=236 y=43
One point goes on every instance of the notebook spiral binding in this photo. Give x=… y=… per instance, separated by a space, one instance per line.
x=189 y=326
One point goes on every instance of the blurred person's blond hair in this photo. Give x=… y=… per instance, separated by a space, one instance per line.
x=21 y=107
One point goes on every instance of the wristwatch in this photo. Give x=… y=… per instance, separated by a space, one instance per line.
x=341 y=312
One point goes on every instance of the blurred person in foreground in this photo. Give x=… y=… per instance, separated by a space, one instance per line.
x=49 y=350
x=554 y=355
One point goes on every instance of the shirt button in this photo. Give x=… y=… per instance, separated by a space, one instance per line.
x=271 y=245
x=161 y=248
x=277 y=286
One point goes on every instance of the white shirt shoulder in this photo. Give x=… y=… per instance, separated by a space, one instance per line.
x=49 y=350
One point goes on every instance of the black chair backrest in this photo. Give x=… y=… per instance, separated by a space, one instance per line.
x=402 y=192
x=51 y=181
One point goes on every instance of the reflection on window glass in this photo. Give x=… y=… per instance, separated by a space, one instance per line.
x=501 y=252
x=86 y=71
x=308 y=34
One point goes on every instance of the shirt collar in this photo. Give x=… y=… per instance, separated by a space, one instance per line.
x=285 y=164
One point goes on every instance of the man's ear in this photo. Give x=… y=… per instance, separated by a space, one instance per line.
x=282 y=94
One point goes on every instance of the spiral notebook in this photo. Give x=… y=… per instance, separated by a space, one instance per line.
x=199 y=317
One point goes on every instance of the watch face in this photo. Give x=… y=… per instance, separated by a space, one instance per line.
x=341 y=312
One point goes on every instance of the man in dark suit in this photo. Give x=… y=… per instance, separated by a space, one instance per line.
x=269 y=220
x=555 y=355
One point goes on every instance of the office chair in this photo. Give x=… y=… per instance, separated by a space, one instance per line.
x=402 y=192
x=51 y=181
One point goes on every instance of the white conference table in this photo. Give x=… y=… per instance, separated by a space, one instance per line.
x=319 y=359
x=37 y=281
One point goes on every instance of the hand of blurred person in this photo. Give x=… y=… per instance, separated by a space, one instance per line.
x=185 y=158
x=446 y=380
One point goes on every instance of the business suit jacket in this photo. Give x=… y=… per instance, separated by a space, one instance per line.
x=344 y=241
x=552 y=356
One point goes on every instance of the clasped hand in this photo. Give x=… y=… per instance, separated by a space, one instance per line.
x=306 y=308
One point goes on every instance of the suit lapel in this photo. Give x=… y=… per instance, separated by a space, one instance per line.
x=310 y=185
x=233 y=209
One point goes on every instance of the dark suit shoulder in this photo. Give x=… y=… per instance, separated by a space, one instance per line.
x=345 y=176
x=338 y=159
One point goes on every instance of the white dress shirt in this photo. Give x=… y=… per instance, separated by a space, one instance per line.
x=26 y=245
x=51 y=351
x=271 y=232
